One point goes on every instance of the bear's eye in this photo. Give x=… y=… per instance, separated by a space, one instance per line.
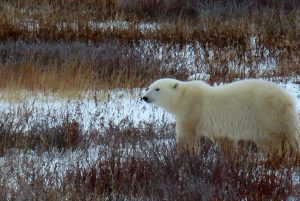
x=157 y=89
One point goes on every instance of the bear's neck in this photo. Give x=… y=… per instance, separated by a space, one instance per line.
x=179 y=106
x=188 y=104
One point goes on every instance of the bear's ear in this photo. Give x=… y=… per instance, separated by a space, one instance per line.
x=175 y=86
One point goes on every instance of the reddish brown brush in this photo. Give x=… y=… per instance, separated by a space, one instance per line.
x=135 y=165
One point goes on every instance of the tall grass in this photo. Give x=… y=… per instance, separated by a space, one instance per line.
x=80 y=67
x=61 y=46
x=145 y=10
x=76 y=66
x=134 y=163
x=41 y=50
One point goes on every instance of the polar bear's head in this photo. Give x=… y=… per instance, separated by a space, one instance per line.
x=163 y=93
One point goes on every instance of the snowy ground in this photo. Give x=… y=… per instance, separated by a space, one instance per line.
x=92 y=111
x=191 y=55
x=99 y=108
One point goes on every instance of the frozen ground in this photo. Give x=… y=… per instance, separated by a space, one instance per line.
x=93 y=110
x=193 y=56
x=90 y=111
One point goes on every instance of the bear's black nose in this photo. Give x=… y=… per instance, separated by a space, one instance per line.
x=145 y=98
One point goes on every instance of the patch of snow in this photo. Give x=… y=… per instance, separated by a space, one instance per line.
x=199 y=76
x=294 y=90
x=91 y=112
x=109 y=106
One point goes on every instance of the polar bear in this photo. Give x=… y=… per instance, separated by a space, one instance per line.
x=250 y=110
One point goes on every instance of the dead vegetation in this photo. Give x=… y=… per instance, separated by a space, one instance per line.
x=136 y=163
x=63 y=46
x=81 y=67
x=78 y=66
x=117 y=44
x=140 y=10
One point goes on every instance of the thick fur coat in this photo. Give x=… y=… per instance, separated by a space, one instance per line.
x=250 y=110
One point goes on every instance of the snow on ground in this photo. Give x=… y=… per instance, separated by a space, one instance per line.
x=191 y=55
x=34 y=25
x=91 y=112
x=294 y=90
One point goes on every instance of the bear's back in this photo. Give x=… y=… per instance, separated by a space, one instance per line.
x=248 y=109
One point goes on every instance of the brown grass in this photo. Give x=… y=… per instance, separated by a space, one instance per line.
x=128 y=57
x=114 y=61
x=215 y=30
x=42 y=138
x=79 y=67
x=136 y=10
x=137 y=163
x=69 y=68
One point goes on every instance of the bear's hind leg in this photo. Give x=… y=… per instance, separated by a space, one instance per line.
x=279 y=149
x=228 y=146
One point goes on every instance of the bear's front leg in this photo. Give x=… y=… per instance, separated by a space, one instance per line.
x=186 y=137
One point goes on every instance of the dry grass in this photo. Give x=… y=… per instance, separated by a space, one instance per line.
x=140 y=10
x=137 y=163
x=41 y=138
x=71 y=67
x=42 y=49
x=275 y=28
x=79 y=67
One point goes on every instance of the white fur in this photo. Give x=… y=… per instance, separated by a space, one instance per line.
x=254 y=110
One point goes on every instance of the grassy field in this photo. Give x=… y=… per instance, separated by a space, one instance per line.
x=58 y=50
x=91 y=50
